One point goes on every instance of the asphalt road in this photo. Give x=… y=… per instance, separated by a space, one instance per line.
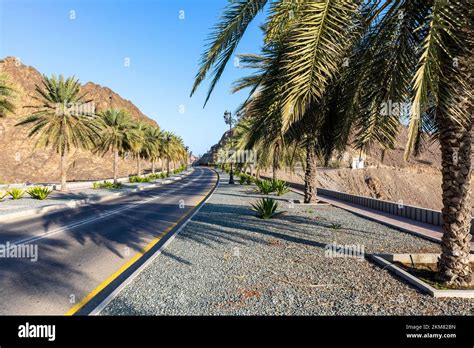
x=80 y=250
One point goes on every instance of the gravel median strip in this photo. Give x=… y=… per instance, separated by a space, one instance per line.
x=226 y=261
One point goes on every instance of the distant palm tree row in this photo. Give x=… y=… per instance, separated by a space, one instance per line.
x=57 y=125
x=332 y=70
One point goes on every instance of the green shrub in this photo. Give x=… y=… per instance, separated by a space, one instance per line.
x=39 y=192
x=265 y=208
x=106 y=185
x=16 y=193
x=242 y=179
x=3 y=195
x=162 y=175
x=335 y=226
x=154 y=176
x=138 y=179
x=280 y=187
x=265 y=186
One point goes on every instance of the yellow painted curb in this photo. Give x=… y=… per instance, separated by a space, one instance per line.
x=130 y=262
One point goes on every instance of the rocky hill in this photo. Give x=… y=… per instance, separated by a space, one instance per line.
x=20 y=161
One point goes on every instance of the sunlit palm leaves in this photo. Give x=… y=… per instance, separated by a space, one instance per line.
x=54 y=124
x=314 y=52
x=438 y=80
x=225 y=38
x=117 y=133
x=116 y=136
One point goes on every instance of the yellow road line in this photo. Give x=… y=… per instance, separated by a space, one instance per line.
x=130 y=262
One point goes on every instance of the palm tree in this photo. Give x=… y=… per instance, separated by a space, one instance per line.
x=56 y=123
x=151 y=146
x=429 y=43
x=385 y=38
x=116 y=136
x=138 y=142
x=172 y=149
x=169 y=148
x=6 y=95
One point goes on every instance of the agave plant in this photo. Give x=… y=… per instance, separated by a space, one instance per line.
x=280 y=187
x=265 y=186
x=249 y=180
x=39 y=192
x=243 y=179
x=16 y=193
x=266 y=208
x=3 y=195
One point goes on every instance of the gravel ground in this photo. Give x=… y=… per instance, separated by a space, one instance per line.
x=8 y=205
x=228 y=262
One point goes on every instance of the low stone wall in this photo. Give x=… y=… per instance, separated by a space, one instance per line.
x=428 y=216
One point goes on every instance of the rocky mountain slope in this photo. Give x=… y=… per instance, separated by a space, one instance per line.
x=20 y=161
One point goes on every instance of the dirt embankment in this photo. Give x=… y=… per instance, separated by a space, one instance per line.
x=410 y=185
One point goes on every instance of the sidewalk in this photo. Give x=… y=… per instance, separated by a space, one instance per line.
x=27 y=207
x=427 y=231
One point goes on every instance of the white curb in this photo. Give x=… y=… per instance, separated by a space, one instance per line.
x=36 y=212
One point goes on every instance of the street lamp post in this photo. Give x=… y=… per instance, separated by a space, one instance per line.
x=187 y=156
x=228 y=120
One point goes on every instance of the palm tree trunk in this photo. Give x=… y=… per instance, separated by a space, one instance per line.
x=168 y=166
x=276 y=161
x=455 y=142
x=310 y=174
x=116 y=159
x=153 y=168
x=139 y=171
x=64 y=170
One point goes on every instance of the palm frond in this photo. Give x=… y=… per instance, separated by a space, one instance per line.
x=225 y=37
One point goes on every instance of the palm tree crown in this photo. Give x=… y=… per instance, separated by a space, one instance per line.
x=56 y=124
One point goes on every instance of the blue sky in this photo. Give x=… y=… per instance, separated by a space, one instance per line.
x=163 y=51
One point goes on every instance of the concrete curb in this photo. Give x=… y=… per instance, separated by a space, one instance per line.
x=36 y=212
x=418 y=283
x=114 y=294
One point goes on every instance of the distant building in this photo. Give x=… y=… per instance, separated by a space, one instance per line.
x=357 y=163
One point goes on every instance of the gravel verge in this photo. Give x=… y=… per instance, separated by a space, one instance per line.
x=226 y=261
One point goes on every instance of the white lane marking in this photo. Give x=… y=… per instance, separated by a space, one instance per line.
x=95 y=218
